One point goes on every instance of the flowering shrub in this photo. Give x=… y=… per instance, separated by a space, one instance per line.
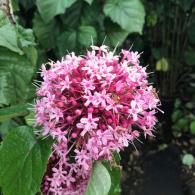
x=91 y=105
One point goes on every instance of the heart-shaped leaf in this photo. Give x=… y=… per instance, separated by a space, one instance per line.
x=23 y=161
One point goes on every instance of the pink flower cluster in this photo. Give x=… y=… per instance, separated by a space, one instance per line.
x=91 y=105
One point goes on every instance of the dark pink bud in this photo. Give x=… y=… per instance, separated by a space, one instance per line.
x=73 y=102
x=60 y=104
x=110 y=121
x=69 y=119
x=112 y=88
x=124 y=124
x=90 y=110
x=125 y=108
x=74 y=135
x=103 y=127
x=78 y=112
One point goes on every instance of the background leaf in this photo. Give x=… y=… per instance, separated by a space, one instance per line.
x=89 y=1
x=23 y=162
x=188 y=159
x=13 y=111
x=129 y=14
x=49 y=8
x=43 y=32
x=114 y=34
x=8 y=34
x=16 y=72
x=100 y=182
x=6 y=126
x=75 y=39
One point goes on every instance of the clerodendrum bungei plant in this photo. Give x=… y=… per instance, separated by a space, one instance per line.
x=92 y=106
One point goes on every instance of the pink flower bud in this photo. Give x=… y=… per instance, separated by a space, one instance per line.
x=78 y=112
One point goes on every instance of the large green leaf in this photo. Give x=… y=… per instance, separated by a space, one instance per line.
x=114 y=170
x=8 y=34
x=114 y=34
x=13 y=111
x=67 y=41
x=25 y=37
x=115 y=174
x=50 y=8
x=23 y=162
x=89 y=1
x=92 y=15
x=129 y=14
x=27 y=4
x=73 y=15
x=100 y=182
x=16 y=72
x=73 y=40
x=85 y=34
x=6 y=126
x=43 y=32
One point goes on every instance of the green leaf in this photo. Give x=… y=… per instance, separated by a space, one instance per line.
x=73 y=40
x=192 y=127
x=152 y=19
x=182 y=123
x=8 y=35
x=72 y=16
x=67 y=41
x=31 y=54
x=162 y=146
x=15 y=5
x=89 y=1
x=43 y=32
x=13 y=111
x=92 y=14
x=27 y=4
x=85 y=33
x=16 y=72
x=50 y=8
x=114 y=34
x=115 y=174
x=30 y=119
x=23 y=162
x=188 y=159
x=176 y=115
x=162 y=65
x=100 y=181
x=129 y=14
x=25 y=37
x=6 y=126
x=190 y=58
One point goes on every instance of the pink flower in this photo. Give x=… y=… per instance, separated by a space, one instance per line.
x=65 y=84
x=87 y=124
x=91 y=106
x=87 y=85
x=82 y=158
x=90 y=99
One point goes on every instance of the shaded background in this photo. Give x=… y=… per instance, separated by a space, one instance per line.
x=31 y=32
